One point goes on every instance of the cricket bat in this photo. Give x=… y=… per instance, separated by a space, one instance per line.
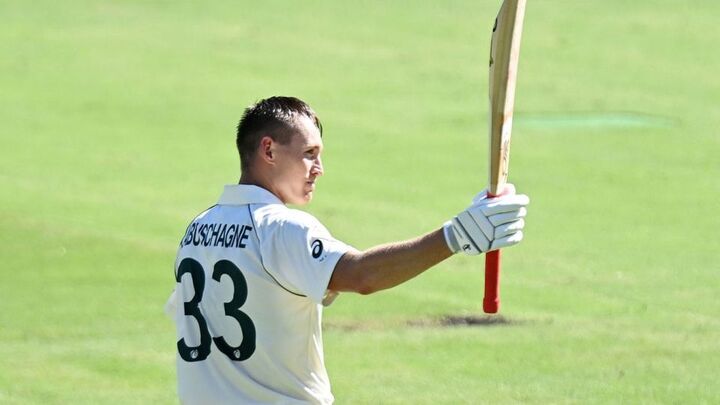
x=504 y=55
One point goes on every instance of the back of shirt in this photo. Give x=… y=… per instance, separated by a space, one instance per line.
x=251 y=275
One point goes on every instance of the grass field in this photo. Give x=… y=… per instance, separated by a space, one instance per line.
x=117 y=127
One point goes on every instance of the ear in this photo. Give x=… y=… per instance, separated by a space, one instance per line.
x=267 y=149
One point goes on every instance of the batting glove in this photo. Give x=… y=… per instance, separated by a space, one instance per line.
x=490 y=223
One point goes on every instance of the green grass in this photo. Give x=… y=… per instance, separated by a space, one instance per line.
x=117 y=127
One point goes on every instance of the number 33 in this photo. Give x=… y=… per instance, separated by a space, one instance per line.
x=232 y=309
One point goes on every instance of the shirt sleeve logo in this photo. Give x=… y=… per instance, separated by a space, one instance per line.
x=317 y=248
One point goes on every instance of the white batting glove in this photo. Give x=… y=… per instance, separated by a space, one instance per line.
x=489 y=223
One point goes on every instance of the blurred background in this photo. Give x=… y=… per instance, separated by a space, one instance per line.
x=118 y=122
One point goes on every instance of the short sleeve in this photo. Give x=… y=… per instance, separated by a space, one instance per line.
x=299 y=252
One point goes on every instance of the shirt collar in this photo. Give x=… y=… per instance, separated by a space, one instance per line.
x=241 y=194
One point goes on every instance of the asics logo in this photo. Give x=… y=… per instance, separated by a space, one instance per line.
x=317 y=248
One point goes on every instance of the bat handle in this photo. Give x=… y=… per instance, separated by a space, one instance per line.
x=491 y=302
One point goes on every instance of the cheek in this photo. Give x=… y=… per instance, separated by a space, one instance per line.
x=301 y=171
x=305 y=168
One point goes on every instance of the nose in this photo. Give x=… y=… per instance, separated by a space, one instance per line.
x=317 y=168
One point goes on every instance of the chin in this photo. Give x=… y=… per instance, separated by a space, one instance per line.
x=301 y=200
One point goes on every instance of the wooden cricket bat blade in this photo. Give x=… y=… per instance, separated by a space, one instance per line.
x=504 y=57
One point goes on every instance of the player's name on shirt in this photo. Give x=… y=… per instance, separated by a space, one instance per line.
x=217 y=234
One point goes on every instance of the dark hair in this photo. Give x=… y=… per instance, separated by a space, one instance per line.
x=275 y=117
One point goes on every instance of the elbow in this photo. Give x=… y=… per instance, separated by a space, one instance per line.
x=368 y=282
x=352 y=275
x=366 y=288
x=359 y=282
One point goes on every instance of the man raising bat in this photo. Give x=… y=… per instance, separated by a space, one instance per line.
x=252 y=275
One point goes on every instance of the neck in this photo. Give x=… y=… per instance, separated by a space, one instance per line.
x=246 y=178
x=249 y=179
x=254 y=181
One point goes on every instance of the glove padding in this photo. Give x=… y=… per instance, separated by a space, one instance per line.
x=489 y=223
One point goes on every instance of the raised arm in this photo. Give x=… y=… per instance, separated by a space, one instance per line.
x=488 y=224
x=388 y=265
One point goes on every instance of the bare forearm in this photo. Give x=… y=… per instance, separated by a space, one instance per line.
x=388 y=265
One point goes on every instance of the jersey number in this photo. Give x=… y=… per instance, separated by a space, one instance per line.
x=232 y=309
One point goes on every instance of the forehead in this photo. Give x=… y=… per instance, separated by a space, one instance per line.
x=308 y=133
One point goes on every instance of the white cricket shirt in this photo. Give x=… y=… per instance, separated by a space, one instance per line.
x=251 y=276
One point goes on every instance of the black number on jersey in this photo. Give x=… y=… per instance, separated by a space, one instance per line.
x=232 y=309
x=194 y=353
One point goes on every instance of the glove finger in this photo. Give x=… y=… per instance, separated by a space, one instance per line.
x=507 y=241
x=467 y=245
x=482 y=222
x=508 y=189
x=479 y=197
x=503 y=204
x=475 y=235
x=506 y=217
x=509 y=228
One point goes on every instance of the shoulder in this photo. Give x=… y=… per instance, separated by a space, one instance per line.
x=280 y=216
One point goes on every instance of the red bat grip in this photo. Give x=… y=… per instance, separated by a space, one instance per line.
x=491 y=302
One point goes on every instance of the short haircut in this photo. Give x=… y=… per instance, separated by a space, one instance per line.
x=275 y=117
